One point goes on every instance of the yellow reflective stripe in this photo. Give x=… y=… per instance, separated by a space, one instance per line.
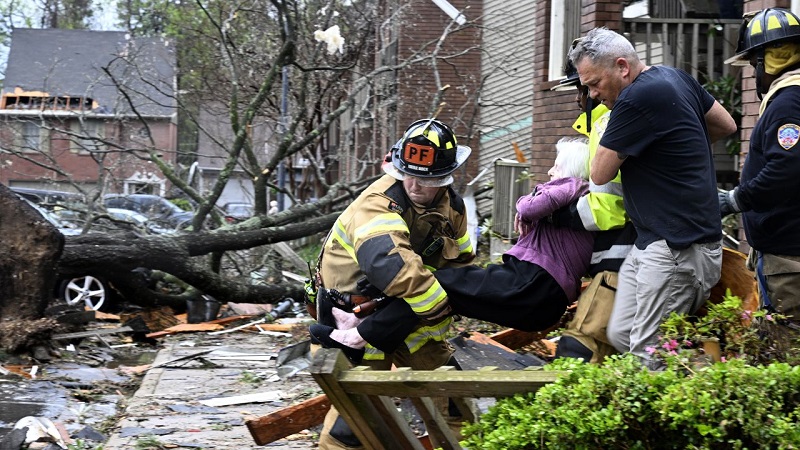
x=430 y=268
x=601 y=212
x=373 y=354
x=379 y=224
x=340 y=235
x=429 y=299
x=422 y=335
x=464 y=244
x=415 y=340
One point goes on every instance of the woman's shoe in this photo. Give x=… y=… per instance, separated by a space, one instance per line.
x=321 y=335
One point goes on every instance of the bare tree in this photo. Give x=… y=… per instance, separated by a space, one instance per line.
x=287 y=98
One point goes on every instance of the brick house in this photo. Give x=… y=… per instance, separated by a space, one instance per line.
x=89 y=104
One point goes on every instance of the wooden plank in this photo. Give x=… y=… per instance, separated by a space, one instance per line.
x=290 y=420
x=396 y=423
x=458 y=383
x=483 y=339
x=357 y=410
x=440 y=434
x=185 y=328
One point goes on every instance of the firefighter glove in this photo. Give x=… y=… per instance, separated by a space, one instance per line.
x=728 y=203
x=341 y=300
x=368 y=289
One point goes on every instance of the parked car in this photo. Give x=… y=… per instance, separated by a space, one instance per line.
x=237 y=211
x=159 y=210
x=89 y=290
x=48 y=198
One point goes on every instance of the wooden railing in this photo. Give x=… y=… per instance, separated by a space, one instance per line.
x=364 y=397
x=698 y=46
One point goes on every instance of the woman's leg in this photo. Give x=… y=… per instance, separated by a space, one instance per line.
x=515 y=294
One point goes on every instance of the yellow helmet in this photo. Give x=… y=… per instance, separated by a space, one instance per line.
x=768 y=26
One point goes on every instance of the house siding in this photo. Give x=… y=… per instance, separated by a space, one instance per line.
x=507 y=95
x=423 y=22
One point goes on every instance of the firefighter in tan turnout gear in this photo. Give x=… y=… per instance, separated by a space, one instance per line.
x=403 y=226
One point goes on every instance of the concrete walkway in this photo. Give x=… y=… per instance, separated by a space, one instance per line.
x=167 y=408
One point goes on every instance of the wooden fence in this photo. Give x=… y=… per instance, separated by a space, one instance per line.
x=366 y=398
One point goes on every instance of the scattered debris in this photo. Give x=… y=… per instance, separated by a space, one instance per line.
x=260 y=397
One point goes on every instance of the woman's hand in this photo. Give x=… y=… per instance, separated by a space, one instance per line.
x=520 y=226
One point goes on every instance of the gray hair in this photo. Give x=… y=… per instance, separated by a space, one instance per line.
x=603 y=46
x=572 y=156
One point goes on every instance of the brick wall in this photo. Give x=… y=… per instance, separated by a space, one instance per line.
x=81 y=166
x=423 y=23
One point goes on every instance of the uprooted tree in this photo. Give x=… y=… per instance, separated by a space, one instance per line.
x=258 y=93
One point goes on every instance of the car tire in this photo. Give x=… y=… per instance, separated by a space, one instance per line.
x=87 y=290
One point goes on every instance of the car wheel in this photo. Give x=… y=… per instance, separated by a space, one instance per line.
x=90 y=291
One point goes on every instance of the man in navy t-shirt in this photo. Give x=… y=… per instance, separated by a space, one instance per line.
x=659 y=136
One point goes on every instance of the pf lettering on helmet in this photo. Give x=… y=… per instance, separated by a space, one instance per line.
x=419 y=155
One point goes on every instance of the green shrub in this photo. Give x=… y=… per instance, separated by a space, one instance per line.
x=739 y=403
x=623 y=405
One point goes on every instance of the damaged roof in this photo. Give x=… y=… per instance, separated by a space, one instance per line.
x=103 y=66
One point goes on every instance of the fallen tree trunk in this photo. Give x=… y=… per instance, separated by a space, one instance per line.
x=182 y=256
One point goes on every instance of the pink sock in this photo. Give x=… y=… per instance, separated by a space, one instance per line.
x=350 y=338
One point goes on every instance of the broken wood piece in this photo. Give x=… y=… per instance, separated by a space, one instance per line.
x=186 y=328
x=241 y=327
x=182 y=358
x=260 y=397
x=99 y=315
x=290 y=420
x=155 y=319
x=285 y=327
x=100 y=332
x=483 y=339
x=516 y=339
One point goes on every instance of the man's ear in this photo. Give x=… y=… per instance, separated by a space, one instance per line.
x=622 y=65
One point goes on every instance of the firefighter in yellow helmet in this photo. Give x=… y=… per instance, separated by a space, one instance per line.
x=401 y=227
x=768 y=194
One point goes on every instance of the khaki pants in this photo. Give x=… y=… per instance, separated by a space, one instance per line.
x=430 y=356
x=782 y=274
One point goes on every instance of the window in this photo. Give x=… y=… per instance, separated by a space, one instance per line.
x=565 y=26
x=30 y=137
x=88 y=136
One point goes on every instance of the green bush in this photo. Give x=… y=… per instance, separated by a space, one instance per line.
x=623 y=405
x=739 y=403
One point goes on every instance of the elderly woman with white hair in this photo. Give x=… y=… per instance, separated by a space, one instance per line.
x=532 y=288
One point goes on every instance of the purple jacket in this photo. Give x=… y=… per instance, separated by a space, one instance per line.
x=563 y=252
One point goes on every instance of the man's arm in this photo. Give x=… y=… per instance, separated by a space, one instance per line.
x=719 y=122
x=605 y=165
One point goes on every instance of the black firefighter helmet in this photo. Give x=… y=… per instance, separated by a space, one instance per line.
x=428 y=150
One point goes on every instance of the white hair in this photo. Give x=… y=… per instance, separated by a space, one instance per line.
x=572 y=157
